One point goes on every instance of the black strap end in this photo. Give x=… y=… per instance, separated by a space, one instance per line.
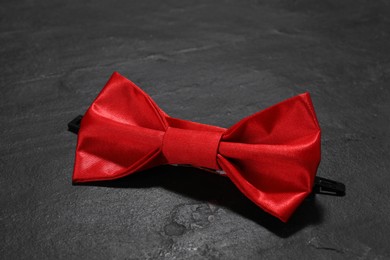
x=74 y=125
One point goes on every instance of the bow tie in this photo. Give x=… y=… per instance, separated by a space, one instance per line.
x=271 y=156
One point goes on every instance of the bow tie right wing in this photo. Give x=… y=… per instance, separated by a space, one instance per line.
x=272 y=156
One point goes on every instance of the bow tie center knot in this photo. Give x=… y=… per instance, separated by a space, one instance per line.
x=198 y=148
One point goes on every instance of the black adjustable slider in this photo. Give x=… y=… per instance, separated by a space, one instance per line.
x=321 y=185
x=328 y=187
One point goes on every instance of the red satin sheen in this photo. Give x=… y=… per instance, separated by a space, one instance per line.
x=271 y=156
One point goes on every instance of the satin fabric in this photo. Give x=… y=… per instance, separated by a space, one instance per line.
x=271 y=156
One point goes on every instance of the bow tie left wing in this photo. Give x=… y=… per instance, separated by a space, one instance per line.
x=123 y=132
x=120 y=133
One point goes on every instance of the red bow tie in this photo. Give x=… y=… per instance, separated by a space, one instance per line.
x=271 y=156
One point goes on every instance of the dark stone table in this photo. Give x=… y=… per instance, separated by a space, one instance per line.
x=207 y=61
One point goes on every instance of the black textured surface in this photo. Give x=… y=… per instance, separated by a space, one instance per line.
x=207 y=61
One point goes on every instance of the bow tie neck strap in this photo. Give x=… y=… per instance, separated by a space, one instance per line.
x=187 y=146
